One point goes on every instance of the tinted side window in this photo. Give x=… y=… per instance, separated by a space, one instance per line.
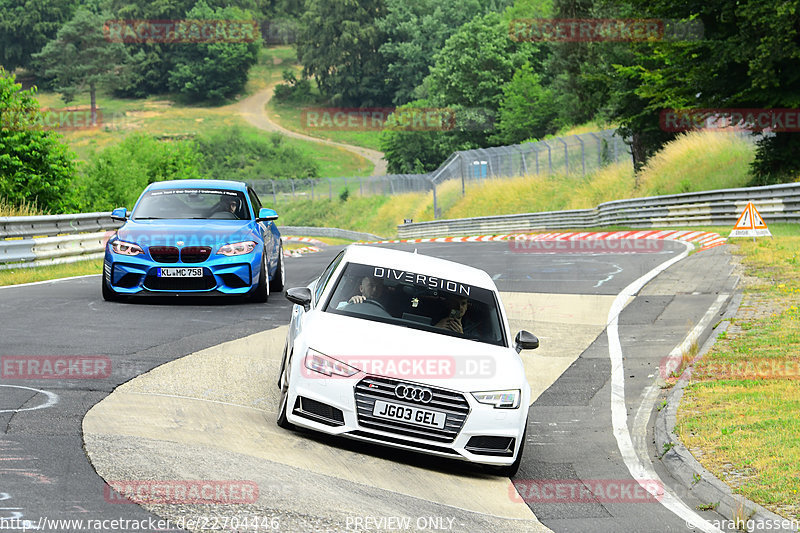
x=326 y=275
x=254 y=200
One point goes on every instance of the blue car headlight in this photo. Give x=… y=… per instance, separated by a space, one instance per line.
x=126 y=248
x=237 y=248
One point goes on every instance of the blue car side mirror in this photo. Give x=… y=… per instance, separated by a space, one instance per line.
x=119 y=213
x=267 y=214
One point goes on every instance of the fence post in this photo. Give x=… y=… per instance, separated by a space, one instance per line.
x=292 y=182
x=524 y=163
x=549 y=157
x=330 y=189
x=566 y=154
x=312 y=189
x=583 y=154
x=274 y=197
x=360 y=187
x=599 y=149
x=435 y=204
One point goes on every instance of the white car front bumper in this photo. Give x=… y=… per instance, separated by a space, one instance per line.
x=344 y=406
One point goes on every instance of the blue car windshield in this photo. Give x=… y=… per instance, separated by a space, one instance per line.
x=417 y=301
x=192 y=204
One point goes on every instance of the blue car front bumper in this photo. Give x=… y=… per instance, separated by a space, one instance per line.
x=222 y=275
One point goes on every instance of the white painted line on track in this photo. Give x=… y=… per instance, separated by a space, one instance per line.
x=52 y=399
x=48 y=281
x=650 y=394
x=619 y=414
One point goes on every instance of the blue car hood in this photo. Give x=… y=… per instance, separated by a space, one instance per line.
x=181 y=233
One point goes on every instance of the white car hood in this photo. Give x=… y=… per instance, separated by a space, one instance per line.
x=477 y=366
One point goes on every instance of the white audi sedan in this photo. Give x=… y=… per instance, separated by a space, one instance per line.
x=407 y=350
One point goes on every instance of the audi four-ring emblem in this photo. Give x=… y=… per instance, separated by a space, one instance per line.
x=415 y=394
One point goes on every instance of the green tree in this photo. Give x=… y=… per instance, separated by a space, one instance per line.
x=412 y=152
x=213 y=70
x=80 y=58
x=415 y=31
x=749 y=57
x=35 y=166
x=571 y=66
x=528 y=110
x=116 y=176
x=476 y=62
x=338 y=44
x=27 y=25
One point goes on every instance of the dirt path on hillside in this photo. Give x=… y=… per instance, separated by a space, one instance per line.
x=253 y=110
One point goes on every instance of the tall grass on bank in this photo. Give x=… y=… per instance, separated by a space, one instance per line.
x=698 y=161
x=23 y=210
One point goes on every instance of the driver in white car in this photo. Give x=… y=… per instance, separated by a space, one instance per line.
x=371 y=289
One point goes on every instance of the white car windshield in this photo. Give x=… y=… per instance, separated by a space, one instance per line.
x=418 y=301
x=192 y=204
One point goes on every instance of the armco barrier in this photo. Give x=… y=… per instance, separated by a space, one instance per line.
x=42 y=240
x=776 y=203
x=54 y=239
x=49 y=225
x=311 y=231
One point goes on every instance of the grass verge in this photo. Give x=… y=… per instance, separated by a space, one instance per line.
x=290 y=116
x=44 y=273
x=739 y=412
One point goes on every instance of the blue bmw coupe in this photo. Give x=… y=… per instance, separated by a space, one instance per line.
x=195 y=237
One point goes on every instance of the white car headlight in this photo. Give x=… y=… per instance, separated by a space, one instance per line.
x=237 y=248
x=126 y=248
x=327 y=365
x=500 y=399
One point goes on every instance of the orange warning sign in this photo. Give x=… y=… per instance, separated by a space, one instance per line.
x=750 y=224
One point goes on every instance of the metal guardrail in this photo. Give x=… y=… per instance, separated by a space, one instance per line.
x=337 y=233
x=53 y=239
x=776 y=203
x=43 y=240
x=56 y=239
x=49 y=225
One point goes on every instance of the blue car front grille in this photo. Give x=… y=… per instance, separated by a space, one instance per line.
x=180 y=284
x=164 y=254
x=195 y=254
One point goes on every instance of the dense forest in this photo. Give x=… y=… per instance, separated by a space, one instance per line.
x=503 y=73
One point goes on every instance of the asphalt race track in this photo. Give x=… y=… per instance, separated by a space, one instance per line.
x=211 y=415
